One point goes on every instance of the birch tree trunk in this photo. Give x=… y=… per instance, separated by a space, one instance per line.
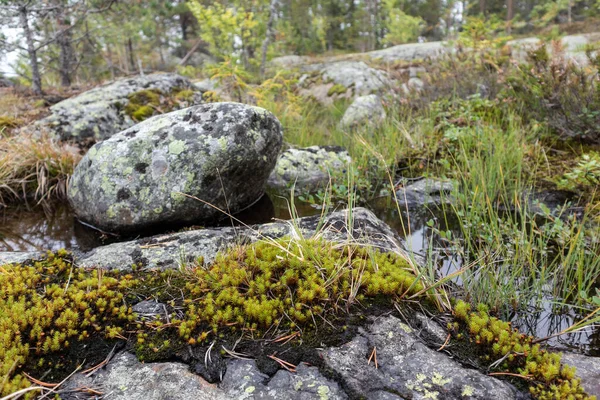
x=269 y=36
x=36 y=79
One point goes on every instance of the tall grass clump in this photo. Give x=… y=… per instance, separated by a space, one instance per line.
x=34 y=168
x=522 y=253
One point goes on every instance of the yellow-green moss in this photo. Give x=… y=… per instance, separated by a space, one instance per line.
x=8 y=122
x=337 y=89
x=287 y=283
x=498 y=341
x=184 y=95
x=142 y=104
x=45 y=306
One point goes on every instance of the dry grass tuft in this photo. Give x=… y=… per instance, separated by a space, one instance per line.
x=34 y=168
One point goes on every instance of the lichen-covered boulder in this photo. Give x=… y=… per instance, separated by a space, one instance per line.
x=99 y=113
x=308 y=168
x=326 y=82
x=221 y=153
x=364 y=110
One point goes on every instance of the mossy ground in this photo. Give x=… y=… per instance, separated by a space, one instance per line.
x=148 y=102
x=263 y=291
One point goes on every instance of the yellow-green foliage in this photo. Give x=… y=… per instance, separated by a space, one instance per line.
x=184 y=95
x=142 y=104
x=46 y=306
x=8 y=122
x=550 y=379
x=52 y=304
x=289 y=283
x=337 y=89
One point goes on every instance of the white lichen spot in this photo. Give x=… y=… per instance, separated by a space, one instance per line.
x=250 y=389
x=467 y=391
x=405 y=327
x=298 y=385
x=390 y=334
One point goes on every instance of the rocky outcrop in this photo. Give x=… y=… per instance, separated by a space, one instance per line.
x=99 y=113
x=174 y=250
x=365 y=110
x=425 y=192
x=409 y=52
x=573 y=46
x=308 y=168
x=406 y=368
x=221 y=153
x=326 y=82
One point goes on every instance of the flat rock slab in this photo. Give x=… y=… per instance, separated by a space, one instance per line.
x=97 y=114
x=425 y=192
x=177 y=249
x=588 y=370
x=308 y=168
x=407 y=369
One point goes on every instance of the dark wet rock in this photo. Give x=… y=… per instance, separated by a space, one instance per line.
x=425 y=192
x=244 y=380
x=588 y=370
x=328 y=81
x=221 y=153
x=365 y=110
x=17 y=257
x=100 y=113
x=125 y=378
x=407 y=368
x=173 y=250
x=308 y=167
x=150 y=310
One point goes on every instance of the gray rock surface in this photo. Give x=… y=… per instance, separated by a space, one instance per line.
x=409 y=52
x=364 y=110
x=288 y=62
x=573 y=45
x=407 y=368
x=222 y=153
x=10 y=257
x=243 y=380
x=308 y=167
x=356 y=77
x=588 y=370
x=99 y=113
x=173 y=250
x=424 y=192
x=125 y=378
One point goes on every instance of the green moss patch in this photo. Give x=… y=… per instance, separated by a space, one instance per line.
x=279 y=286
x=337 y=89
x=512 y=354
x=142 y=104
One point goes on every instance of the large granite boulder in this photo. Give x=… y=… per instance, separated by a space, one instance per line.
x=99 y=113
x=328 y=81
x=365 y=110
x=409 y=52
x=221 y=153
x=309 y=167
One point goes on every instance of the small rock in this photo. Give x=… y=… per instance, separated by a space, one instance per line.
x=588 y=370
x=364 y=110
x=221 y=153
x=149 y=310
x=425 y=192
x=308 y=168
x=18 y=257
x=415 y=84
x=343 y=79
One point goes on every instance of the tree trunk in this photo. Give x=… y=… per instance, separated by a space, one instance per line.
x=269 y=36
x=64 y=39
x=131 y=57
x=36 y=79
x=509 y=15
x=482 y=7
